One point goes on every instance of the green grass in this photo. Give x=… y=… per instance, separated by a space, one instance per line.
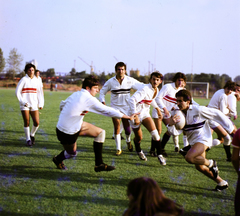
x=30 y=184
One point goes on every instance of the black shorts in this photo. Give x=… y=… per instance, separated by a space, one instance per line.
x=67 y=139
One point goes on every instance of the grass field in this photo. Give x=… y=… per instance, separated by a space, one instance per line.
x=30 y=184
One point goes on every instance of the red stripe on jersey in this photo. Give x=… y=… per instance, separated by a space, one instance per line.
x=170 y=99
x=148 y=102
x=84 y=113
x=29 y=90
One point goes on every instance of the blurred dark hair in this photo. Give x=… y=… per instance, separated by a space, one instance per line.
x=90 y=81
x=29 y=65
x=147 y=199
x=185 y=94
x=230 y=85
x=179 y=75
x=120 y=64
x=156 y=74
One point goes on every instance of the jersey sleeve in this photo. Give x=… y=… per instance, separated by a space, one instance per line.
x=136 y=97
x=232 y=105
x=102 y=109
x=18 y=91
x=223 y=105
x=40 y=95
x=136 y=84
x=218 y=116
x=161 y=94
x=104 y=90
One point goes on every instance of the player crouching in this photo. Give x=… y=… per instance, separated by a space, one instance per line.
x=71 y=125
x=199 y=135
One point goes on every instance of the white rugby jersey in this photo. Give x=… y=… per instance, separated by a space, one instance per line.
x=40 y=80
x=142 y=99
x=197 y=127
x=120 y=93
x=232 y=104
x=29 y=91
x=166 y=96
x=219 y=101
x=76 y=106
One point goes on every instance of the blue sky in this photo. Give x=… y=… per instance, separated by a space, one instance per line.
x=167 y=35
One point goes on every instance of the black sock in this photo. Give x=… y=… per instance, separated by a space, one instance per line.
x=61 y=157
x=137 y=146
x=158 y=147
x=152 y=146
x=97 y=147
x=165 y=139
x=228 y=151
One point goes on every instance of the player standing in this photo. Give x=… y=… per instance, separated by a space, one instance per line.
x=140 y=102
x=71 y=125
x=30 y=98
x=120 y=87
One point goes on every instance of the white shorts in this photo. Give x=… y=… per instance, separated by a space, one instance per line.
x=28 y=108
x=213 y=124
x=142 y=116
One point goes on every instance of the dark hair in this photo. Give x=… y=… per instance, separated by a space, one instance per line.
x=147 y=199
x=230 y=85
x=29 y=65
x=156 y=74
x=90 y=81
x=185 y=94
x=179 y=75
x=120 y=64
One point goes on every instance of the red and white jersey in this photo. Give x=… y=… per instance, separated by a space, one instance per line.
x=76 y=106
x=219 y=101
x=29 y=91
x=232 y=104
x=197 y=127
x=120 y=93
x=166 y=96
x=142 y=99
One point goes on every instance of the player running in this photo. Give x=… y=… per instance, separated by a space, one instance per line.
x=71 y=125
x=199 y=135
x=140 y=102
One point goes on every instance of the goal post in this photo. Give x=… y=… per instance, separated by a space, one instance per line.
x=197 y=89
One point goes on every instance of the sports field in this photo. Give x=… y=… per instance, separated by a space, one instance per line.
x=30 y=184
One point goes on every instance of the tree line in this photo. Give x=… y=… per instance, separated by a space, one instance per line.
x=14 y=61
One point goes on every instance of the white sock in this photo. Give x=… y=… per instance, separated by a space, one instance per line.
x=210 y=163
x=216 y=142
x=128 y=138
x=34 y=130
x=27 y=133
x=175 y=141
x=185 y=141
x=118 y=141
x=222 y=183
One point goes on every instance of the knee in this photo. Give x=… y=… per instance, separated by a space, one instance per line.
x=100 y=137
x=227 y=140
x=155 y=135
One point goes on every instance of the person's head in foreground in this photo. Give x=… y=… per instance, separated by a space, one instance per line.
x=91 y=83
x=147 y=199
x=156 y=79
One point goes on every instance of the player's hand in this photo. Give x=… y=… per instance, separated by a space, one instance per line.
x=235 y=117
x=104 y=103
x=40 y=108
x=26 y=104
x=136 y=120
x=160 y=116
x=175 y=118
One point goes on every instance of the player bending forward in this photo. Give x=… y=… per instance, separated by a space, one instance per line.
x=71 y=125
x=199 y=135
x=140 y=103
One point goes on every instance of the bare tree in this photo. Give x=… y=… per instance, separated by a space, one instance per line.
x=2 y=61
x=14 y=62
